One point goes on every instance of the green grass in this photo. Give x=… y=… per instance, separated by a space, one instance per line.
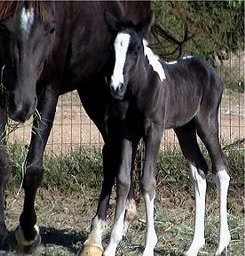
x=68 y=197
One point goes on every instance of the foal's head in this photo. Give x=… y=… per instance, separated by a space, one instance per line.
x=26 y=30
x=128 y=48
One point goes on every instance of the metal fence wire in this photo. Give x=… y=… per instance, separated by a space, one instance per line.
x=72 y=127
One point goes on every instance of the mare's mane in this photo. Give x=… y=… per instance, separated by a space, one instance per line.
x=41 y=8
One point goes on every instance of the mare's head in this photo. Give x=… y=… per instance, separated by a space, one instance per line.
x=26 y=30
x=127 y=48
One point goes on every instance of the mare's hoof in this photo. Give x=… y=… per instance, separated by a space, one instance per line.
x=91 y=250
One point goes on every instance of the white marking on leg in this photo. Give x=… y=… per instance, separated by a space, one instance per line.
x=151 y=237
x=121 y=47
x=26 y=19
x=116 y=236
x=154 y=61
x=20 y=238
x=95 y=237
x=222 y=180
x=200 y=193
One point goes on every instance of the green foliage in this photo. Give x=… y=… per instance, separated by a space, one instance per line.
x=82 y=170
x=215 y=28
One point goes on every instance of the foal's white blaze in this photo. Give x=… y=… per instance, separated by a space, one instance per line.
x=121 y=47
x=26 y=19
x=222 y=180
x=151 y=237
x=200 y=192
x=154 y=61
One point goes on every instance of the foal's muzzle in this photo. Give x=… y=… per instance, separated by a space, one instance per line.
x=117 y=92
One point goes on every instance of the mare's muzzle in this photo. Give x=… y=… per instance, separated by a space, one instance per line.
x=20 y=108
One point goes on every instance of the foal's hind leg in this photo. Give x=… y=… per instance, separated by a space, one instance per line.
x=208 y=132
x=188 y=142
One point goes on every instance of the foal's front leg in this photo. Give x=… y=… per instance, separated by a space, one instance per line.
x=27 y=233
x=148 y=183
x=123 y=187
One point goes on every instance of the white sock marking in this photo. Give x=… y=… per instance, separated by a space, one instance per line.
x=26 y=19
x=154 y=61
x=200 y=192
x=121 y=47
x=151 y=237
x=116 y=236
x=222 y=180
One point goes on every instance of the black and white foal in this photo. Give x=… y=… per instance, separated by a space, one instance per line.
x=150 y=96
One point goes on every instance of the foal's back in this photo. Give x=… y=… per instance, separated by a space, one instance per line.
x=191 y=85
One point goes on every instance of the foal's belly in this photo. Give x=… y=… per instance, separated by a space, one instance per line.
x=175 y=119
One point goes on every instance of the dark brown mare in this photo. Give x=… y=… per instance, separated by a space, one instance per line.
x=48 y=48
x=152 y=95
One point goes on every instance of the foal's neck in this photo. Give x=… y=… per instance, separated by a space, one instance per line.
x=154 y=60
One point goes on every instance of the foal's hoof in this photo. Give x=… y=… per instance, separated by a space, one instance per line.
x=91 y=250
x=25 y=247
x=222 y=253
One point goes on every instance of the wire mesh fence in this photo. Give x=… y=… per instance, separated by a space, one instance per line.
x=72 y=127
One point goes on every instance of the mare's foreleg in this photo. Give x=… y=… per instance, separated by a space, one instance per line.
x=5 y=169
x=93 y=244
x=27 y=233
x=148 y=184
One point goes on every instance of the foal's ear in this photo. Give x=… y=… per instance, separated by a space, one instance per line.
x=144 y=26
x=112 y=21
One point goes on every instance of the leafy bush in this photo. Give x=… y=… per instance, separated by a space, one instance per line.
x=215 y=28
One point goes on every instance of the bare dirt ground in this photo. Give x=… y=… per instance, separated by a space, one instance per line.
x=64 y=220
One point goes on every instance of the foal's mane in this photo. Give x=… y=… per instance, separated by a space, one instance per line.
x=41 y=8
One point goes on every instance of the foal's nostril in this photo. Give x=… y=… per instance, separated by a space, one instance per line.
x=119 y=88
x=118 y=91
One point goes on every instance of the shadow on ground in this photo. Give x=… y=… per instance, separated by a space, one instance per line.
x=50 y=236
